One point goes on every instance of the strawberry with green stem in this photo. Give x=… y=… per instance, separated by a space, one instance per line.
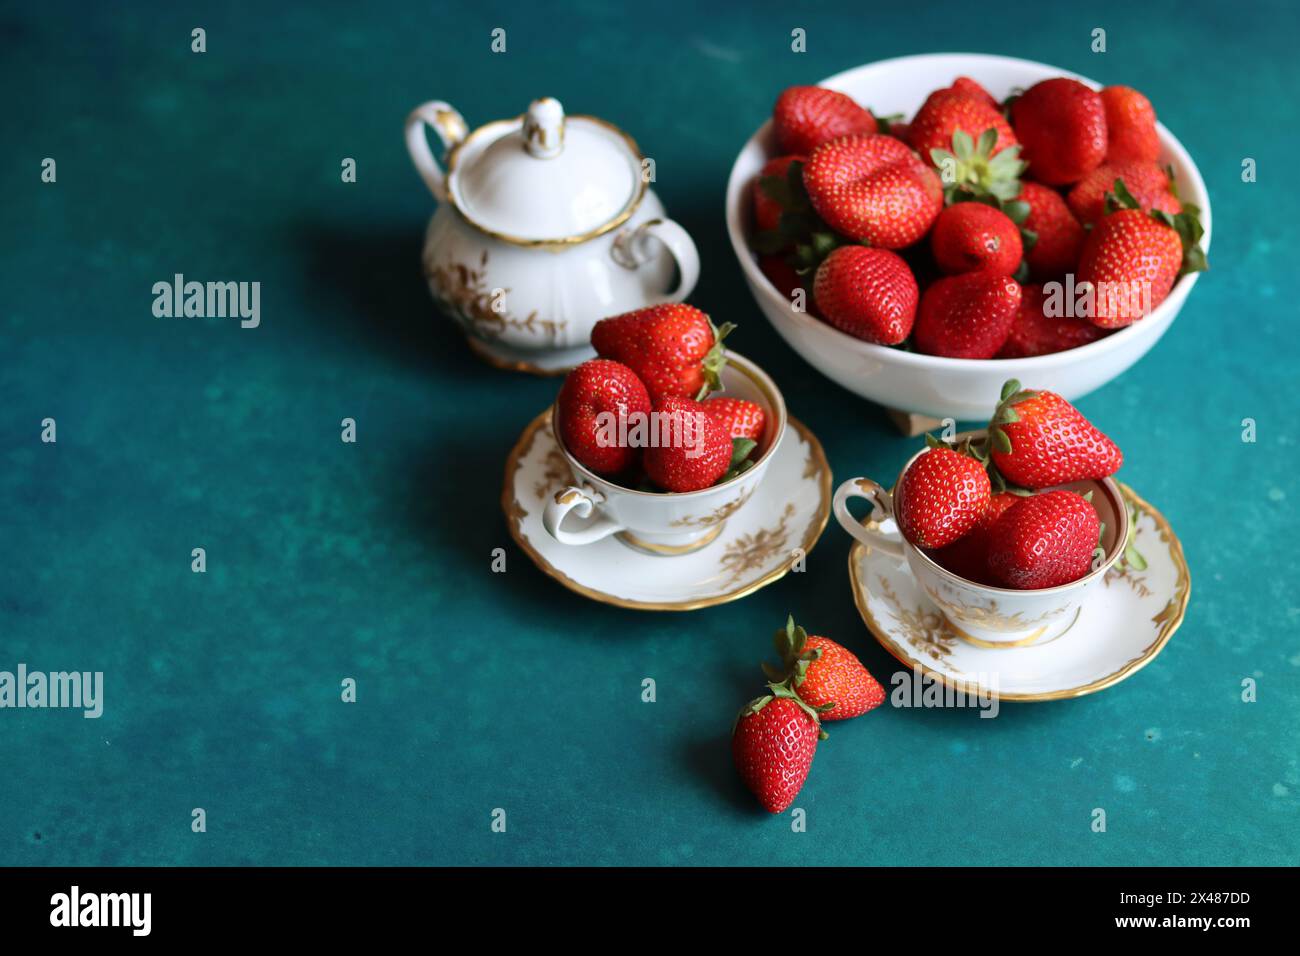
x=773 y=741
x=826 y=675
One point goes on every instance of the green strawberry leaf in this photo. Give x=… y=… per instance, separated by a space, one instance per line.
x=1009 y=388
x=1000 y=441
x=740 y=449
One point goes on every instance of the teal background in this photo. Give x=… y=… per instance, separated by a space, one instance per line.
x=481 y=690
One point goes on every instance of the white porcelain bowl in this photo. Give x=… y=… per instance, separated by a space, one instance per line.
x=963 y=389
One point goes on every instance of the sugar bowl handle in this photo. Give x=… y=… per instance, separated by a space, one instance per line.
x=583 y=503
x=451 y=129
x=884 y=508
x=632 y=248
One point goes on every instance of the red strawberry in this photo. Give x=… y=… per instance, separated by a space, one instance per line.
x=1062 y=124
x=869 y=293
x=1146 y=182
x=1043 y=541
x=690 y=451
x=1130 y=126
x=781 y=274
x=968 y=556
x=772 y=744
x=828 y=677
x=974 y=237
x=1058 y=237
x=1038 y=440
x=901 y=131
x=942 y=496
x=595 y=396
x=1036 y=333
x=767 y=211
x=874 y=189
x=1131 y=261
x=807 y=116
x=967 y=316
x=964 y=84
x=739 y=418
x=946 y=111
x=674 y=348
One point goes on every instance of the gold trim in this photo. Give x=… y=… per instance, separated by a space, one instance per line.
x=515 y=514
x=996 y=645
x=564 y=241
x=632 y=541
x=1169 y=619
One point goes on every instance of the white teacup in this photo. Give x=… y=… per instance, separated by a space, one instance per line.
x=983 y=614
x=659 y=522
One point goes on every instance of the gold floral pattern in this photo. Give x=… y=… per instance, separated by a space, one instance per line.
x=1121 y=572
x=719 y=514
x=927 y=631
x=555 y=472
x=990 y=618
x=751 y=551
x=462 y=291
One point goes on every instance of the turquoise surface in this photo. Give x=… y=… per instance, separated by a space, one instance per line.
x=372 y=560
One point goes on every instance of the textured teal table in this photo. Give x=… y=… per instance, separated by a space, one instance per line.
x=371 y=560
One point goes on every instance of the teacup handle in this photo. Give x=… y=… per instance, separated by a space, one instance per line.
x=451 y=129
x=575 y=499
x=884 y=508
x=629 y=250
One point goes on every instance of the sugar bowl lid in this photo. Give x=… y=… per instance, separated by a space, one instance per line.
x=545 y=178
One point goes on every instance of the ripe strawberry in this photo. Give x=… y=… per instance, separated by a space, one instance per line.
x=1058 y=237
x=828 y=677
x=964 y=84
x=873 y=189
x=869 y=293
x=974 y=237
x=1036 y=333
x=807 y=116
x=781 y=274
x=946 y=111
x=942 y=496
x=1043 y=541
x=691 y=451
x=968 y=556
x=967 y=316
x=772 y=744
x=1131 y=261
x=592 y=390
x=1062 y=124
x=674 y=348
x=1146 y=182
x=1038 y=440
x=767 y=210
x=739 y=418
x=1130 y=126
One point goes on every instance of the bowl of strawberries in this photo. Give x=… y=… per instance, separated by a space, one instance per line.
x=923 y=228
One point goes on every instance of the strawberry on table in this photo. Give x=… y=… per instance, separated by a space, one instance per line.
x=693 y=450
x=1044 y=540
x=1058 y=236
x=772 y=744
x=869 y=293
x=1130 y=126
x=1147 y=183
x=1034 y=332
x=967 y=316
x=827 y=676
x=968 y=556
x=1062 y=125
x=873 y=189
x=592 y=390
x=1037 y=440
x=738 y=417
x=974 y=237
x=673 y=348
x=804 y=117
x=942 y=497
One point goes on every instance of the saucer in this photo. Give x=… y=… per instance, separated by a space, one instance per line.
x=755 y=546
x=532 y=361
x=1118 y=631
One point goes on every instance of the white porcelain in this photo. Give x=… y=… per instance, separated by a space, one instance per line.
x=1124 y=622
x=545 y=225
x=980 y=612
x=962 y=389
x=593 y=508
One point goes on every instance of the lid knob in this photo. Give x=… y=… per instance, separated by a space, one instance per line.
x=544 y=128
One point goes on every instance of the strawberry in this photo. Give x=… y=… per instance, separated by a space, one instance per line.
x=946 y=111
x=969 y=87
x=1038 y=440
x=968 y=556
x=869 y=293
x=828 y=677
x=1043 y=541
x=807 y=116
x=974 y=237
x=1130 y=126
x=971 y=144
x=942 y=496
x=772 y=744
x=590 y=395
x=767 y=208
x=1062 y=124
x=1058 y=237
x=967 y=316
x=673 y=348
x=1130 y=261
x=1147 y=182
x=690 y=451
x=781 y=274
x=873 y=189
x=1034 y=332
x=739 y=418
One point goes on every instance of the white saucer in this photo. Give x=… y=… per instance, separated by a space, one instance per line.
x=1120 y=629
x=757 y=545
